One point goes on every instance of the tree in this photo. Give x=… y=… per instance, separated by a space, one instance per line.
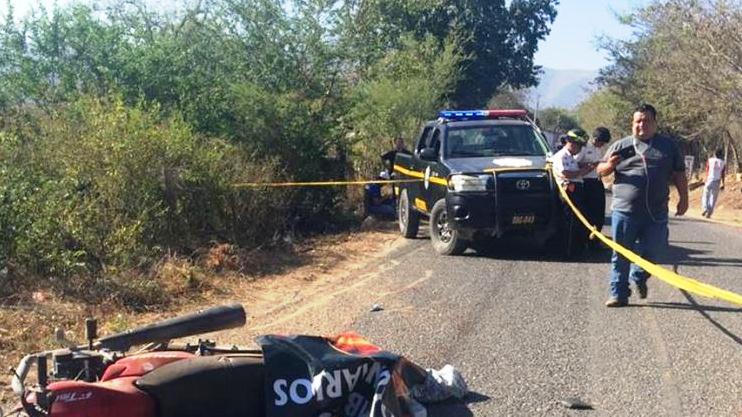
x=509 y=99
x=555 y=119
x=686 y=60
x=406 y=87
x=127 y=127
x=606 y=108
x=498 y=41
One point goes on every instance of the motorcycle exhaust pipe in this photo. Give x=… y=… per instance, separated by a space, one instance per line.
x=205 y=321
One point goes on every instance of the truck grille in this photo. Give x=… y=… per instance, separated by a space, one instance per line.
x=523 y=199
x=523 y=183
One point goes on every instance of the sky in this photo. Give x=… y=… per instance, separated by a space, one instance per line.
x=23 y=7
x=572 y=43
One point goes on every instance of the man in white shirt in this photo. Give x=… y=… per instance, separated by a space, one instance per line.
x=594 y=191
x=715 y=170
x=569 y=174
x=565 y=166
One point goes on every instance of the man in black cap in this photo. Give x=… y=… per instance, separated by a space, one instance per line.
x=593 y=190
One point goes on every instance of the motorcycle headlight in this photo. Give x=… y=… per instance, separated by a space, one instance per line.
x=468 y=183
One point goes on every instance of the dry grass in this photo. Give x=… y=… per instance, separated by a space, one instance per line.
x=214 y=275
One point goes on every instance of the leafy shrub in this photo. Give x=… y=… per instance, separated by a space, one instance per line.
x=101 y=188
x=405 y=87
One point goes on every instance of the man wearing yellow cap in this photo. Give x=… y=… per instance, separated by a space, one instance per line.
x=569 y=174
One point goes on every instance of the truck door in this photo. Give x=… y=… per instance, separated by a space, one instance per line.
x=415 y=189
x=434 y=180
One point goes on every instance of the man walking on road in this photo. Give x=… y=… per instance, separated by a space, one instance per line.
x=644 y=163
x=715 y=170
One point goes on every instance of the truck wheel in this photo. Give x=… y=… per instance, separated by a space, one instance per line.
x=446 y=240
x=409 y=219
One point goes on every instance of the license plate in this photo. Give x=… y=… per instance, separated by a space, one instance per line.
x=524 y=219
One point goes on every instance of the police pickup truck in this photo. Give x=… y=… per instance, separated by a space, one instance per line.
x=484 y=175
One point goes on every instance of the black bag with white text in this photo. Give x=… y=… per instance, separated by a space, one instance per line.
x=342 y=376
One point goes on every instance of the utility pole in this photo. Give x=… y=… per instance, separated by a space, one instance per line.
x=535 y=113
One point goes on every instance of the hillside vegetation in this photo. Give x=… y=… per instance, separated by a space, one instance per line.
x=124 y=131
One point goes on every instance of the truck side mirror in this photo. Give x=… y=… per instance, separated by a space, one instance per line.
x=428 y=154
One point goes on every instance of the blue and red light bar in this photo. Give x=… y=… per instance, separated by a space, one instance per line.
x=481 y=114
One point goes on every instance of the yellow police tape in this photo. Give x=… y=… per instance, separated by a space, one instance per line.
x=684 y=283
x=317 y=183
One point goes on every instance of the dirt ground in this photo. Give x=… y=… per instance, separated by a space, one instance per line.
x=319 y=288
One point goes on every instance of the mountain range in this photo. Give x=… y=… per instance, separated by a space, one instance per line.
x=562 y=88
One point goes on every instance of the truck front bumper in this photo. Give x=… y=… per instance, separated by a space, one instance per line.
x=490 y=215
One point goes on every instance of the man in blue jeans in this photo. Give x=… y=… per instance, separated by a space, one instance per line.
x=644 y=164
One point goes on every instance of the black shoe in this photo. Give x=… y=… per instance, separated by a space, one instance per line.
x=615 y=302
x=643 y=290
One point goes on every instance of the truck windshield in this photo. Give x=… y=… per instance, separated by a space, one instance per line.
x=502 y=140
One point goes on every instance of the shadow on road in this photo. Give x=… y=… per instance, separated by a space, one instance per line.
x=683 y=306
x=455 y=408
x=683 y=256
x=701 y=309
x=716 y=324
x=680 y=255
x=693 y=242
x=521 y=249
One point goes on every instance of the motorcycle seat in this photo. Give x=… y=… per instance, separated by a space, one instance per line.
x=207 y=386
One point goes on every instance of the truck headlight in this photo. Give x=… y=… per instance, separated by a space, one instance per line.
x=465 y=183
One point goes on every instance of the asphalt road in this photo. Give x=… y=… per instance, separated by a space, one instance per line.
x=529 y=331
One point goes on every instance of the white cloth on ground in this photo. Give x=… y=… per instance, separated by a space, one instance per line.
x=440 y=385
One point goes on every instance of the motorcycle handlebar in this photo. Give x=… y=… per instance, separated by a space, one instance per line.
x=16 y=383
x=204 y=321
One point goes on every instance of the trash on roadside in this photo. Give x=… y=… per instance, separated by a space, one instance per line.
x=440 y=385
x=575 y=404
x=376 y=307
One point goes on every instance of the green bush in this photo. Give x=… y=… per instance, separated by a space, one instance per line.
x=405 y=88
x=102 y=188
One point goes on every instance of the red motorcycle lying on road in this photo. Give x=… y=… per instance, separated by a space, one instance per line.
x=290 y=376
x=161 y=380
